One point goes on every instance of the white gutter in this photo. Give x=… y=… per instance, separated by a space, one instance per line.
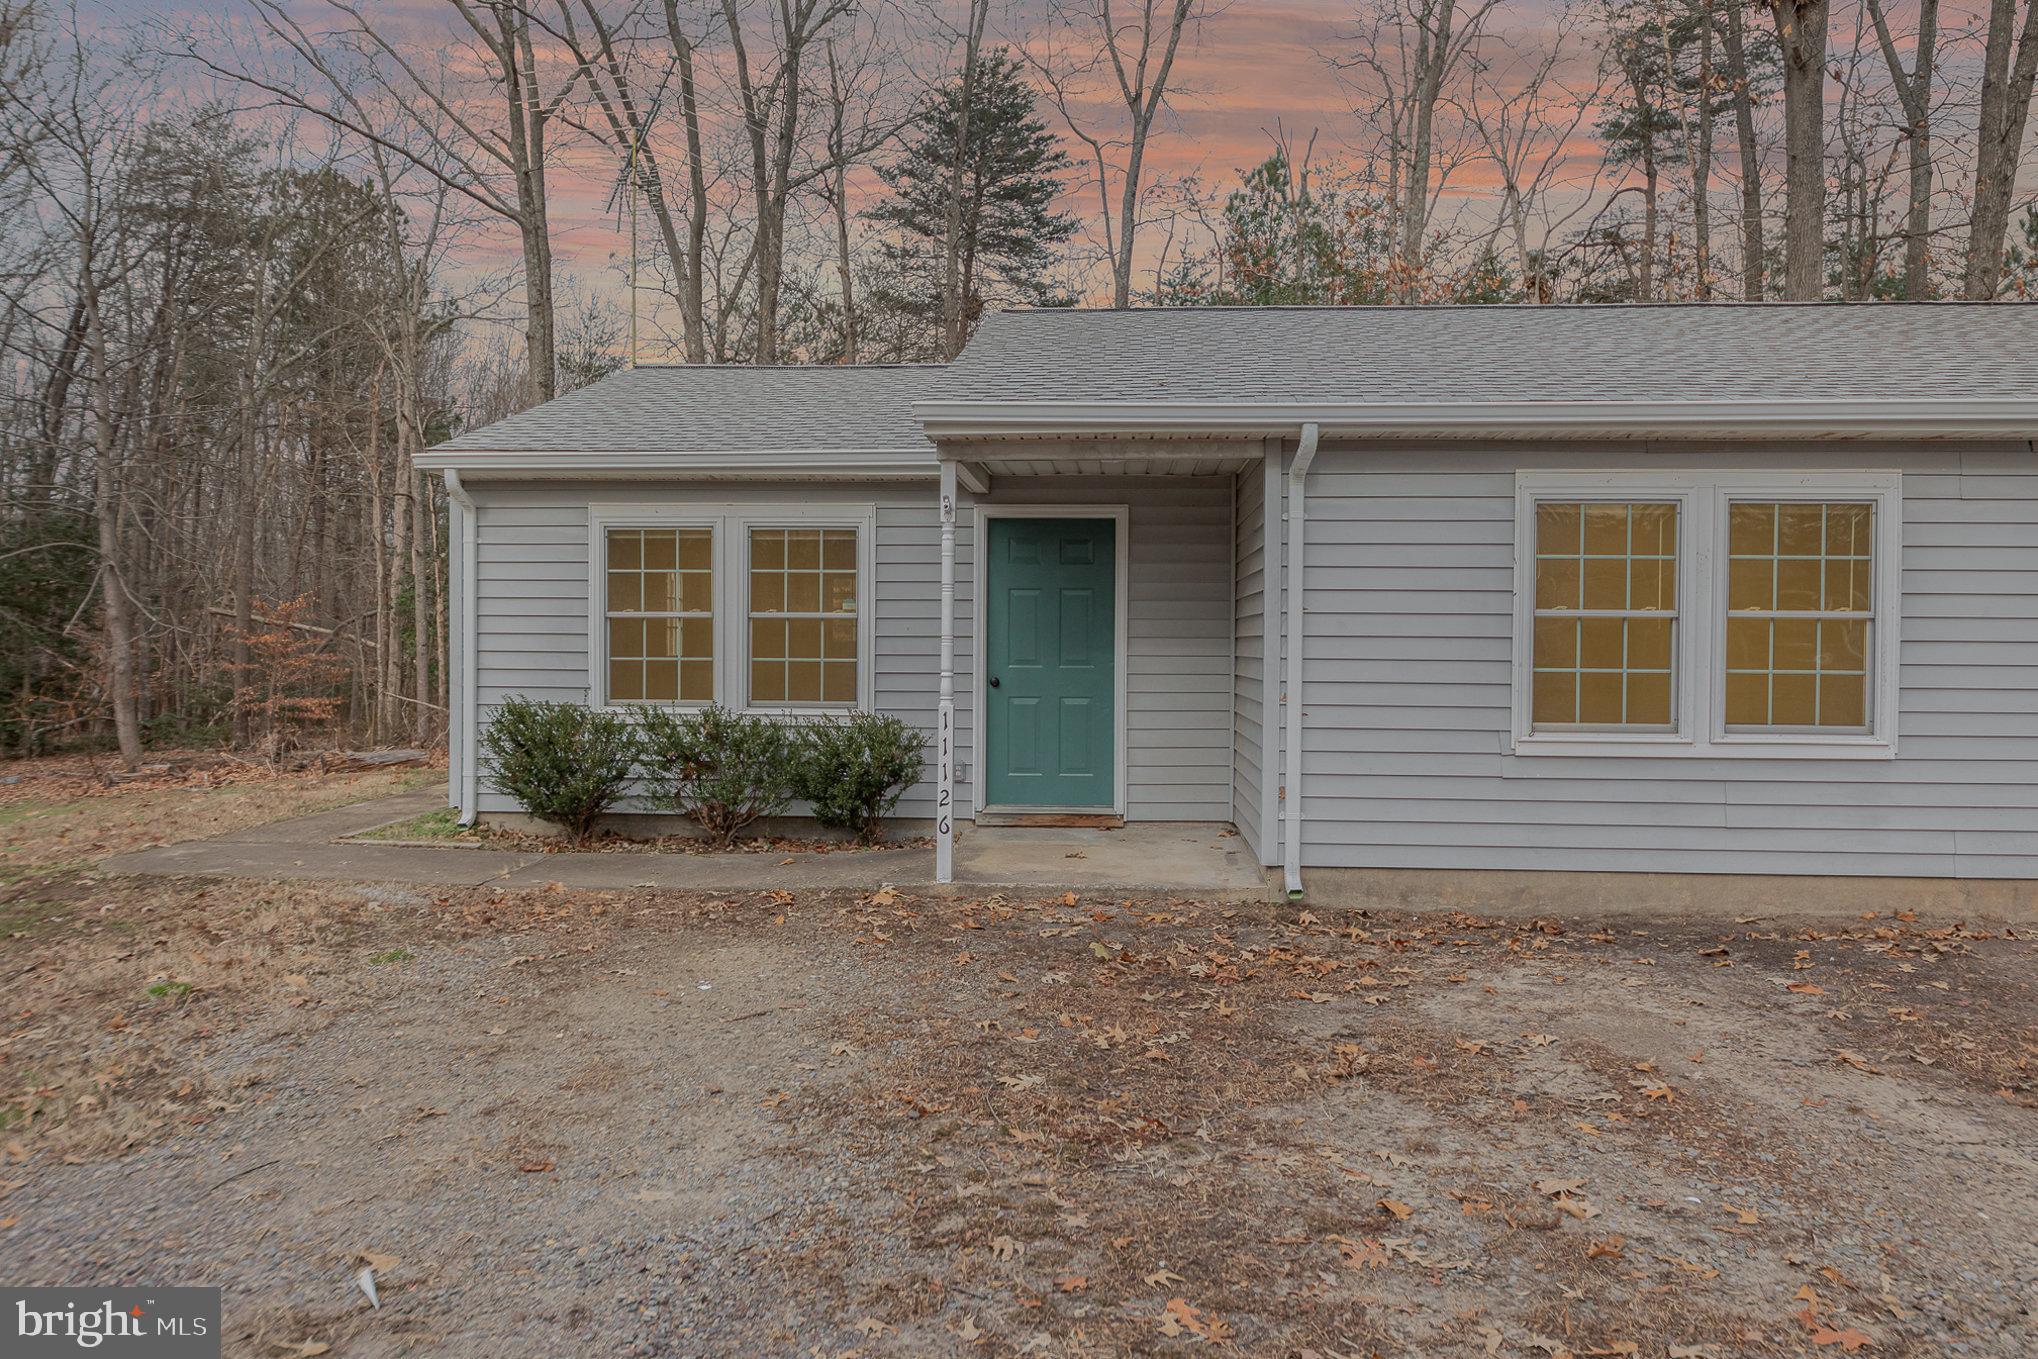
x=1298 y=500
x=1943 y=418
x=470 y=632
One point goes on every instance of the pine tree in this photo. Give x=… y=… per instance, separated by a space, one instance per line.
x=1011 y=168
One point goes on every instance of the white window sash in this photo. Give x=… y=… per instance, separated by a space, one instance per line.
x=1699 y=656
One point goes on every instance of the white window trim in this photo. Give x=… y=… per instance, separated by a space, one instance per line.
x=1699 y=659
x=732 y=523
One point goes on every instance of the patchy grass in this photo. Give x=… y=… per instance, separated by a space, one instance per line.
x=28 y=916
x=443 y=824
x=392 y=955
x=62 y=815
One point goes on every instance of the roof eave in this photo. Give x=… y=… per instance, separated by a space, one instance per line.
x=1914 y=418
x=861 y=463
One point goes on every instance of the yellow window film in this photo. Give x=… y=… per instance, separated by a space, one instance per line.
x=1800 y=606
x=661 y=615
x=1604 y=647
x=804 y=615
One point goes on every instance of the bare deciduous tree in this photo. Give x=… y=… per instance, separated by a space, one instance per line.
x=2009 y=68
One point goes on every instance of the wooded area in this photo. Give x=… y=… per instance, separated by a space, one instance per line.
x=252 y=262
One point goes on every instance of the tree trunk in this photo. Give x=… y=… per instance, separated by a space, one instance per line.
x=118 y=620
x=1753 y=247
x=2006 y=89
x=1432 y=55
x=527 y=159
x=1801 y=33
x=1914 y=97
x=1701 y=160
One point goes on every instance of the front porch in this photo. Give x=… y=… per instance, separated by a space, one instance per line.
x=1101 y=643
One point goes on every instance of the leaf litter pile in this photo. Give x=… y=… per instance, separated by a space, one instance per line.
x=870 y=1125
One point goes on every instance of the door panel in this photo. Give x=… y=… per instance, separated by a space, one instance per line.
x=1050 y=728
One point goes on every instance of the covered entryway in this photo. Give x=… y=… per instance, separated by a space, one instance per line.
x=1101 y=660
x=1053 y=660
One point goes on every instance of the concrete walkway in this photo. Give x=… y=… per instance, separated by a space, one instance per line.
x=1184 y=858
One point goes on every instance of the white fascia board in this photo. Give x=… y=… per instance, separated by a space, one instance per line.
x=2000 y=417
x=860 y=463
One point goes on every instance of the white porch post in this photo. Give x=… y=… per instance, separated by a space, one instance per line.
x=944 y=725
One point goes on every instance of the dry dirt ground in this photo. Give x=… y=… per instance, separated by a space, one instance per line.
x=586 y=1124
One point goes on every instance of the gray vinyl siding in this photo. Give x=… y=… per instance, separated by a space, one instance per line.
x=533 y=586
x=1178 y=684
x=1249 y=636
x=1409 y=620
x=532 y=614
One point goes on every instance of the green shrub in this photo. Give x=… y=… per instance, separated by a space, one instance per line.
x=563 y=762
x=854 y=769
x=721 y=769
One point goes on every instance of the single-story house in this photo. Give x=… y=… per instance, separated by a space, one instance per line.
x=1687 y=590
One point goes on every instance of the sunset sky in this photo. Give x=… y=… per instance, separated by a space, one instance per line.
x=1252 y=67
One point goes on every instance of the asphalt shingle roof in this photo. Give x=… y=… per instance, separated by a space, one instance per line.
x=1768 y=351
x=729 y=409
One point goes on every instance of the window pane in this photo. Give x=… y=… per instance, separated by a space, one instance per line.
x=767 y=681
x=1599 y=698
x=661 y=681
x=1556 y=644
x=1807 y=559
x=1649 y=699
x=1616 y=562
x=1800 y=529
x=802 y=591
x=1606 y=530
x=626 y=549
x=697 y=681
x=626 y=637
x=626 y=680
x=803 y=681
x=1554 y=696
x=626 y=591
x=1751 y=529
x=1649 y=644
x=1600 y=644
x=803 y=550
x=1557 y=582
x=1747 y=699
x=1751 y=583
x=1843 y=700
x=767 y=639
x=1606 y=582
x=1793 y=700
x=803 y=639
x=838 y=641
x=1557 y=527
x=661 y=551
x=697 y=639
x=839 y=682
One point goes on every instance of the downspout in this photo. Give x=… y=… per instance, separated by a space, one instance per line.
x=470 y=688
x=1291 y=790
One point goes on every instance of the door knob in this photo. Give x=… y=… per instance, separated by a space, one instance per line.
x=994 y=681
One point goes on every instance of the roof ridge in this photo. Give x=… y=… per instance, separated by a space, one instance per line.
x=1432 y=308
x=784 y=367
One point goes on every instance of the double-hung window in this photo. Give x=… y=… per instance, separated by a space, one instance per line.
x=1706 y=613
x=750 y=606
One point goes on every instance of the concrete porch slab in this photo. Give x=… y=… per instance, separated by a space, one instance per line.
x=1205 y=858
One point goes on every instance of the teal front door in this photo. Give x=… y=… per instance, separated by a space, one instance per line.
x=1051 y=663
